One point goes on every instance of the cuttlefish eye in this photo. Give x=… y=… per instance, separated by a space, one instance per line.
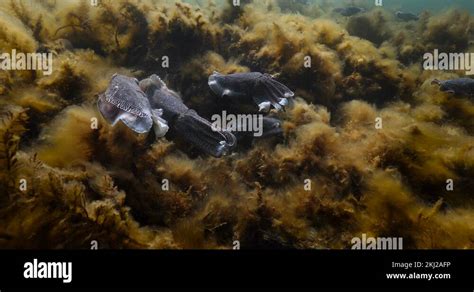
x=125 y=101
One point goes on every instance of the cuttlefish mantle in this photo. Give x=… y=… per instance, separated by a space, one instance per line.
x=125 y=101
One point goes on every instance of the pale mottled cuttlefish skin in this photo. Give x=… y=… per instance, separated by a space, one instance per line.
x=265 y=91
x=185 y=122
x=125 y=101
x=459 y=86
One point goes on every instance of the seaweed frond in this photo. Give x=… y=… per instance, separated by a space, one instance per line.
x=12 y=127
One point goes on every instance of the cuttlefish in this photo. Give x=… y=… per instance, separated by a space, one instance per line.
x=149 y=103
x=125 y=101
x=349 y=11
x=459 y=86
x=263 y=89
x=186 y=122
x=406 y=16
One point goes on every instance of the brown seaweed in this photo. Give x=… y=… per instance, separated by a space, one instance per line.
x=100 y=183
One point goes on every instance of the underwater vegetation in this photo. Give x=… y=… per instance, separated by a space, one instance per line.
x=68 y=177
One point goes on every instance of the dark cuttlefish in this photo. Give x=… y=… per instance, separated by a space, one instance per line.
x=349 y=11
x=459 y=86
x=185 y=122
x=406 y=16
x=263 y=89
x=149 y=103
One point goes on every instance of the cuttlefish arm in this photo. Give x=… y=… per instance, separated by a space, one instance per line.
x=200 y=133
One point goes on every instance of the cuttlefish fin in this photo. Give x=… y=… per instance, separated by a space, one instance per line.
x=138 y=124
